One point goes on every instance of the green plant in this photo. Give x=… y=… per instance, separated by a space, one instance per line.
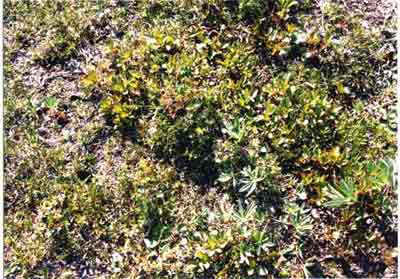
x=299 y=218
x=50 y=103
x=244 y=214
x=344 y=195
x=251 y=178
x=235 y=130
x=381 y=173
x=251 y=8
x=284 y=8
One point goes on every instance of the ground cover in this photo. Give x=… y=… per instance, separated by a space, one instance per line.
x=199 y=139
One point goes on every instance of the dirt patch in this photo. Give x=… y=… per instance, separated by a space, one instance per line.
x=375 y=12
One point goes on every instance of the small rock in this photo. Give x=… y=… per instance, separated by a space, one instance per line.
x=315 y=213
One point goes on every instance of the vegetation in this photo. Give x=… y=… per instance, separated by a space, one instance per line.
x=198 y=139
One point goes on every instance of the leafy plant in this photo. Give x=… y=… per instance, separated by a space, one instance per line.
x=251 y=178
x=251 y=8
x=344 y=195
x=50 y=103
x=235 y=130
x=284 y=8
x=299 y=218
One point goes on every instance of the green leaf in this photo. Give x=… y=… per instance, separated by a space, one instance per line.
x=50 y=102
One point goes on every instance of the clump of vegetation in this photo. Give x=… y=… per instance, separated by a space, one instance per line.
x=243 y=141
